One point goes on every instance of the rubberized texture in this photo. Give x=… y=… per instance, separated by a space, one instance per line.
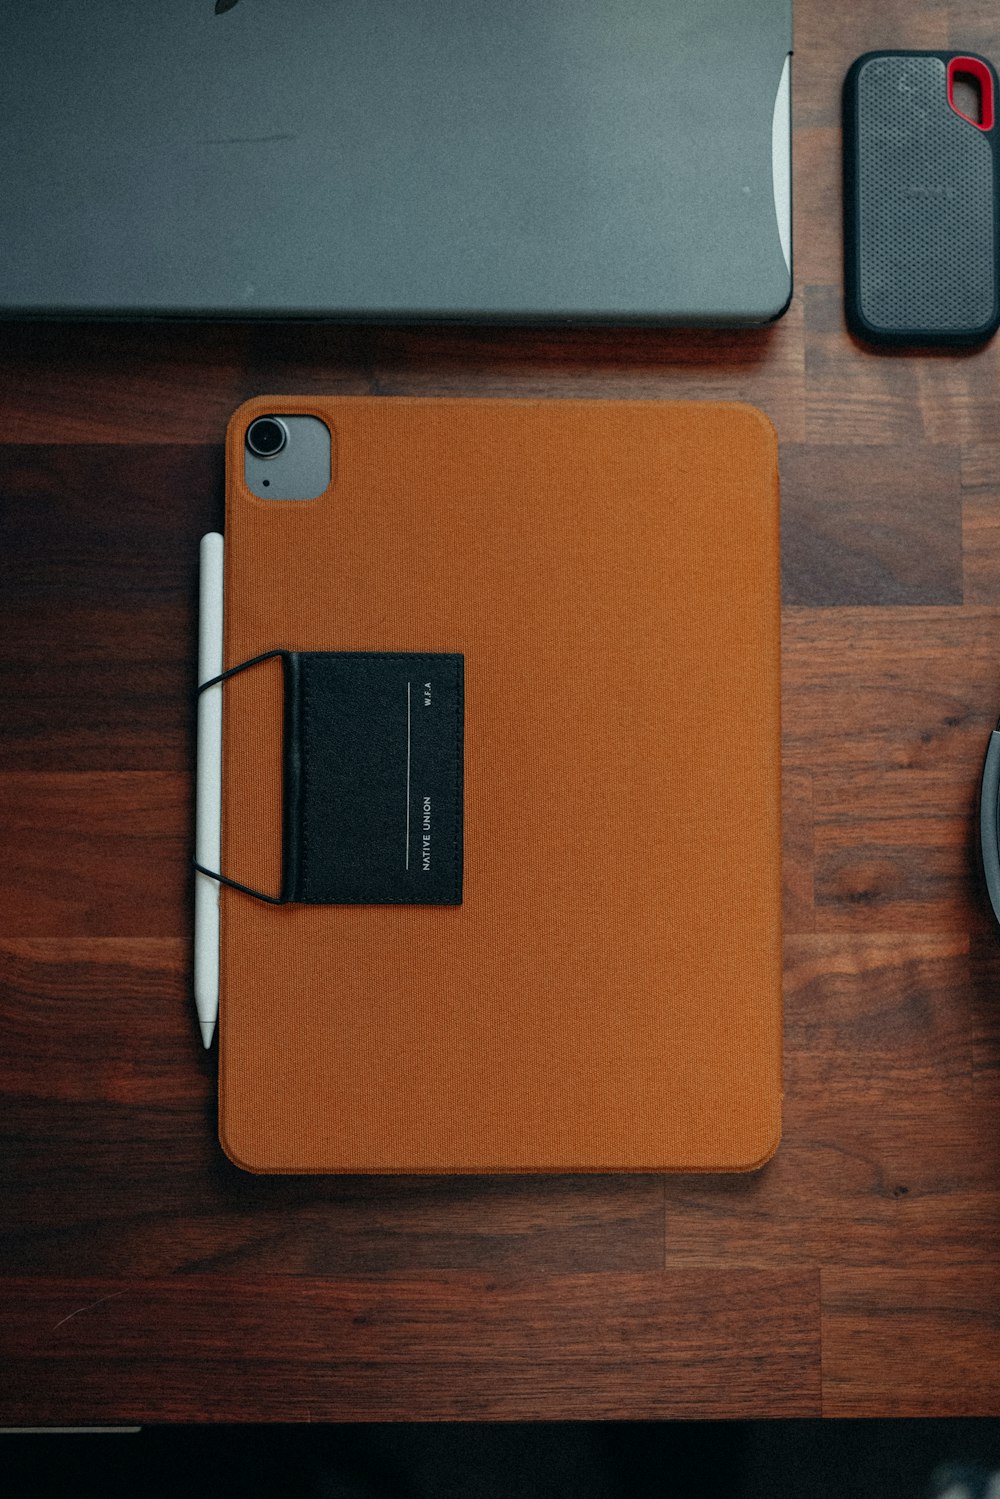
x=920 y=205
x=608 y=994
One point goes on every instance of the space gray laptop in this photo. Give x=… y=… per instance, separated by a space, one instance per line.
x=623 y=161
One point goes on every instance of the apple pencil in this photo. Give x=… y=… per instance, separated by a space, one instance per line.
x=208 y=795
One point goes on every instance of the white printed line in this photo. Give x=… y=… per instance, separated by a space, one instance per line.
x=407 y=775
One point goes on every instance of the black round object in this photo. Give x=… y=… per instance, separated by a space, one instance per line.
x=266 y=436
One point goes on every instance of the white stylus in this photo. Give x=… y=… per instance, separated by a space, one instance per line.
x=208 y=795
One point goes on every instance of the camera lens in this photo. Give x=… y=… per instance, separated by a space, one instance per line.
x=266 y=436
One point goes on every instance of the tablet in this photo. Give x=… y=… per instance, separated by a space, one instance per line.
x=510 y=761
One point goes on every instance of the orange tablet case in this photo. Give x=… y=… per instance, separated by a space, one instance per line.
x=607 y=997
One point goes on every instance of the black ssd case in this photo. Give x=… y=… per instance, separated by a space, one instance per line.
x=920 y=200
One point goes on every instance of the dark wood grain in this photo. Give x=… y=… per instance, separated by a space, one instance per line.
x=981 y=522
x=891 y=690
x=913 y=1342
x=799 y=852
x=890 y=1015
x=890 y=1187
x=51 y=991
x=890 y=397
x=142 y=1276
x=827 y=42
x=179 y=385
x=456 y=1347
x=892 y=1137
x=837 y=552
x=112 y=1208
x=984 y=976
x=98 y=572
x=863 y=1184
x=95 y=853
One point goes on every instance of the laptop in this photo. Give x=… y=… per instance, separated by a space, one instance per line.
x=622 y=161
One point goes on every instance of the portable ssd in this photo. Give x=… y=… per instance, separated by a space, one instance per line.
x=920 y=199
x=534 y=754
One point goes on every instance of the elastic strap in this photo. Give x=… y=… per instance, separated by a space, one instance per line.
x=225 y=675
x=223 y=879
x=272 y=900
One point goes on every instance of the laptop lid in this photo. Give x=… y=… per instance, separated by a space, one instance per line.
x=373 y=159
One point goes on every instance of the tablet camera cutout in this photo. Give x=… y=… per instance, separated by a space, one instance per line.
x=266 y=437
x=287 y=457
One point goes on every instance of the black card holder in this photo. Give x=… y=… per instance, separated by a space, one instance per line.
x=372 y=809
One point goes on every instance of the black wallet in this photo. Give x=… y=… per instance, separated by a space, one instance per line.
x=372 y=789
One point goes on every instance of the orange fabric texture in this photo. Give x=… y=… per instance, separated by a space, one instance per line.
x=608 y=995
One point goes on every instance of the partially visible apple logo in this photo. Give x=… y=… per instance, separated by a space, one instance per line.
x=221 y=6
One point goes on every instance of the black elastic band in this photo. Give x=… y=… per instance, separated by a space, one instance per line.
x=272 y=900
x=232 y=670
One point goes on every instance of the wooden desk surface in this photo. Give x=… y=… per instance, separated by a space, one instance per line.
x=145 y=1278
